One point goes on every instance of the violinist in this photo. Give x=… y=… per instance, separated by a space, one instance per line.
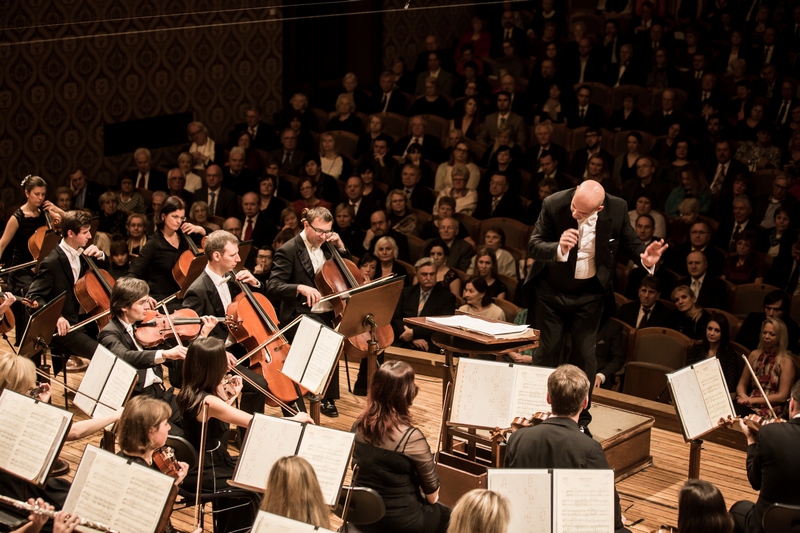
x=162 y=250
x=773 y=467
x=203 y=372
x=58 y=273
x=558 y=442
x=23 y=223
x=292 y=281
x=129 y=301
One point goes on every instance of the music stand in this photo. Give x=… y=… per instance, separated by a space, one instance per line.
x=41 y=327
x=367 y=310
x=245 y=249
x=195 y=269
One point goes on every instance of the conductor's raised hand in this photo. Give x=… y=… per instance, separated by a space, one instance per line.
x=312 y=295
x=653 y=252
x=568 y=240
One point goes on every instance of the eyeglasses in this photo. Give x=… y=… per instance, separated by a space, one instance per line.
x=321 y=231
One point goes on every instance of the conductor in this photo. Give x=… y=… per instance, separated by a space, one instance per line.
x=574 y=246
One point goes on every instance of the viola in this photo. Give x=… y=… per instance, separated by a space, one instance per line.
x=93 y=291
x=165 y=460
x=753 y=422
x=155 y=328
x=181 y=268
x=340 y=275
x=259 y=323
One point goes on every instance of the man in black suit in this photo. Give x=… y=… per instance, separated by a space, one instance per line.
x=648 y=312
x=262 y=135
x=782 y=103
x=444 y=80
x=58 y=273
x=145 y=176
x=558 y=441
x=645 y=185
x=767 y=205
x=586 y=113
x=574 y=244
x=176 y=182
x=519 y=102
x=692 y=79
x=626 y=71
x=506 y=32
x=699 y=240
x=785 y=271
x=292 y=281
x=722 y=173
x=661 y=120
x=431 y=146
x=777 y=304
x=461 y=251
x=289 y=157
x=772 y=468
x=498 y=203
x=237 y=177
x=426 y=298
x=705 y=92
x=586 y=66
x=255 y=227
x=381 y=226
x=768 y=85
x=593 y=136
x=421 y=198
x=544 y=135
x=729 y=231
x=769 y=53
x=388 y=99
x=221 y=201
x=549 y=170
x=354 y=189
x=85 y=193
x=709 y=290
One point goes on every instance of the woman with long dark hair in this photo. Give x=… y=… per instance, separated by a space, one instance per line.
x=701 y=509
x=717 y=343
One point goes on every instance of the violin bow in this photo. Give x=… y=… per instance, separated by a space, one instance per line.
x=198 y=509
x=269 y=340
x=758 y=384
x=169 y=321
x=89 y=320
x=262 y=390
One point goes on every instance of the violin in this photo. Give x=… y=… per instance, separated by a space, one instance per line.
x=260 y=323
x=339 y=275
x=155 y=328
x=93 y=291
x=227 y=387
x=519 y=422
x=181 y=267
x=36 y=240
x=753 y=422
x=165 y=460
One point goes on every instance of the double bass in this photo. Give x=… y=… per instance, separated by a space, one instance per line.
x=93 y=291
x=258 y=323
x=340 y=275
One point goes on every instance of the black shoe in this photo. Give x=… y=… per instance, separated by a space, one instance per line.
x=585 y=430
x=328 y=408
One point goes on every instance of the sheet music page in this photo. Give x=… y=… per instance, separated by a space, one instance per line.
x=478 y=325
x=323 y=357
x=583 y=501
x=85 y=404
x=268 y=439
x=301 y=348
x=272 y=523
x=529 y=491
x=30 y=434
x=714 y=389
x=530 y=391
x=483 y=393
x=97 y=373
x=119 y=384
x=689 y=402
x=328 y=451
x=126 y=497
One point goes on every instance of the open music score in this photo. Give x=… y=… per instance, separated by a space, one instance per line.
x=557 y=500
x=269 y=438
x=272 y=523
x=490 y=394
x=31 y=435
x=474 y=324
x=107 y=384
x=125 y=496
x=701 y=397
x=313 y=354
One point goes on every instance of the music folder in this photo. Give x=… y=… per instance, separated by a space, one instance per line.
x=313 y=354
x=701 y=397
x=107 y=384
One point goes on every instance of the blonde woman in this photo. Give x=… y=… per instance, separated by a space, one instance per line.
x=331 y=162
x=293 y=491
x=480 y=510
x=346 y=120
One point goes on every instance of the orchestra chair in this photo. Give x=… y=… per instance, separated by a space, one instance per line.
x=656 y=352
x=185 y=452
x=781 y=518
x=472 y=225
x=322 y=118
x=734 y=322
x=416 y=247
x=749 y=298
x=510 y=283
x=346 y=142
x=509 y=308
x=366 y=507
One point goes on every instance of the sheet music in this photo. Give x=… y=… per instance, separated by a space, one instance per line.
x=478 y=325
x=689 y=402
x=268 y=439
x=310 y=363
x=300 y=351
x=583 y=501
x=328 y=451
x=714 y=389
x=31 y=434
x=125 y=496
x=272 y=523
x=530 y=391
x=100 y=366
x=119 y=384
x=483 y=393
x=108 y=380
x=529 y=491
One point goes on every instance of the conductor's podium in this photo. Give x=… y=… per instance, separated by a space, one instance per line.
x=624 y=436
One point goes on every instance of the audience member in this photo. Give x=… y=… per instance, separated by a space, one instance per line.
x=478 y=300
x=648 y=312
x=710 y=291
x=437 y=250
x=145 y=176
x=716 y=343
x=745 y=264
x=381 y=226
x=461 y=252
x=688 y=318
x=776 y=305
x=203 y=148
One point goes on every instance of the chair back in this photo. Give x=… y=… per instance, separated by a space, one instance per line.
x=346 y=142
x=749 y=298
x=734 y=322
x=661 y=346
x=781 y=518
x=416 y=247
x=184 y=451
x=510 y=283
x=394 y=124
x=508 y=308
x=366 y=505
x=647 y=380
x=517 y=233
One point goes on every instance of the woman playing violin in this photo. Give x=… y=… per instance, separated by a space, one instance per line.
x=25 y=220
x=161 y=252
x=203 y=373
x=775 y=369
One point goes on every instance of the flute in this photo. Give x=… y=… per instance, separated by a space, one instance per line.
x=38 y=510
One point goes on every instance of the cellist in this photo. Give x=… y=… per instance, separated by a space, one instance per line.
x=58 y=273
x=292 y=281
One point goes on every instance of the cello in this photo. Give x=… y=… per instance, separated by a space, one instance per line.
x=93 y=291
x=181 y=267
x=258 y=322
x=340 y=275
x=36 y=240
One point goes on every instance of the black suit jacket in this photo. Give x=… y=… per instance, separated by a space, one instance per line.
x=115 y=338
x=244 y=182
x=203 y=298
x=292 y=267
x=292 y=166
x=594 y=117
x=558 y=443
x=780 y=271
x=431 y=147
x=676 y=259
x=397 y=102
x=557 y=151
x=633 y=75
x=659 y=124
x=659 y=316
x=422 y=198
x=509 y=206
x=266 y=138
x=157 y=181
x=53 y=278
x=93 y=192
x=713 y=292
x=440 y=302
x=226 y=207
x=735 y=167
x=725 y=232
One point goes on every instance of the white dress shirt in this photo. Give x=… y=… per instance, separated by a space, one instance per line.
x=74 y=258
x=587 y=231
x=317 y=260
x=150 y=376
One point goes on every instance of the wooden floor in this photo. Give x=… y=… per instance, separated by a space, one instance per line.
x=650 y=494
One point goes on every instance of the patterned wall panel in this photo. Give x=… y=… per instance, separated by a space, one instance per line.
x=404 y=31
x=70 y=66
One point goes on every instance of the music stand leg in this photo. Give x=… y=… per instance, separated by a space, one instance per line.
x=10 y=345
x=372 y=357
x=314 y=407
x=696 y=447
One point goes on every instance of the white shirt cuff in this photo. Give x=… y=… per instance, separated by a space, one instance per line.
x=562 y=258
x=159 y=358
x=602 y=377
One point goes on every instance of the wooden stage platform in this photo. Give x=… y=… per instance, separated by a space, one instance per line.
x=650 y=494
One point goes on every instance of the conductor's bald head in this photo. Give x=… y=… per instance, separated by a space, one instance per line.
x=588 y=200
